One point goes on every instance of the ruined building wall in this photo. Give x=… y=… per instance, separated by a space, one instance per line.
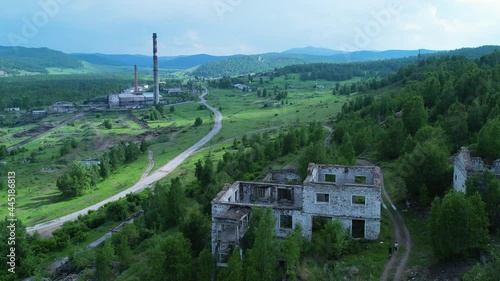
x=345 y=174
x=460 y=170
x=341 y=205
x=283 y=176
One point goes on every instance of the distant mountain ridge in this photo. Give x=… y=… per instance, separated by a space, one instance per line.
x=314 y=51
x=14 y=60
x=171 y=62
x=270 y=61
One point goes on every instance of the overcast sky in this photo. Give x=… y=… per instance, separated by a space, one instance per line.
x=223 y=27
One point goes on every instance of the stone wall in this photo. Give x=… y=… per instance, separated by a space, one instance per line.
x=343 y=199
x=287 y=176
x=460 y=162
x=344 y=174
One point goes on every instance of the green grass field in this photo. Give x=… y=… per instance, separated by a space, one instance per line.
x=38 y=198
x=245 y=111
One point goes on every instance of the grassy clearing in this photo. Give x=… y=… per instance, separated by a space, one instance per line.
x=38 y=198
x=244 y=112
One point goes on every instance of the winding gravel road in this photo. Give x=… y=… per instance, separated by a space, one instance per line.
x=396 y=265
x=45 y=229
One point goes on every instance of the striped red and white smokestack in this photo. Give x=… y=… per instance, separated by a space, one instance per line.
x=156 y=88
x=136 y=87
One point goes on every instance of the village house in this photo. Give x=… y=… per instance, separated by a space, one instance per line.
x=12 y=109
x=350 y=194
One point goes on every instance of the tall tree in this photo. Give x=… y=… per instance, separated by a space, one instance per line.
x=488 y=139
x=104 y=257
x=262 y=259
x=457 y=224
x=314 y=153
x=455 y=125
x=426 y=165
x=170 y=258
x=74 y=182
x=414 y=114
x=291 y=249
x=488 y=186
x=196 y=228
x=393 y=138
x=346 y=153
x=205 y=265
x=332 y=241
x=163 y=207
x=234 y=269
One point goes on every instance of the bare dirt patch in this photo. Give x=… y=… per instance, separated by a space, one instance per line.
x=32 y=131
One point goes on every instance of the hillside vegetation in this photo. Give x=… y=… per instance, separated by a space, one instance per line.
x=412 y=126
x=15 y=59
x=267 y=62
x=39 y=91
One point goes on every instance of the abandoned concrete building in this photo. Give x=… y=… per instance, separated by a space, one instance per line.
x=62 y=107
x=129 y=100
x=465 y=165
x=350 y=194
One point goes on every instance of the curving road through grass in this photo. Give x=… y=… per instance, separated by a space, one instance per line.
x=45 y=229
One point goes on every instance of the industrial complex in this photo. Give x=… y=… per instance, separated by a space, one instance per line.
x=134 y=98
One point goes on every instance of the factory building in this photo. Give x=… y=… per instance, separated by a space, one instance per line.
x=62 y=107
x=132 y=98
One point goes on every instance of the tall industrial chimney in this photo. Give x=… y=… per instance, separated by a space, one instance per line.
x=136 y=88
x=156 y=89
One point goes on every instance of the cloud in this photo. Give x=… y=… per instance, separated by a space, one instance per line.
x=195 y=26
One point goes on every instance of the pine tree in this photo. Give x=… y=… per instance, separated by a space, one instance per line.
x=104 y=257
x=262 y=258
x=234 y=269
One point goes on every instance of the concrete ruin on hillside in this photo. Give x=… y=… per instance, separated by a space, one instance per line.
x=465 y=165
x=350 y=194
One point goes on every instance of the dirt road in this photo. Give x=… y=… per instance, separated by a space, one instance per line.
x=46 y=228
x=399 y=259
x=151 y=164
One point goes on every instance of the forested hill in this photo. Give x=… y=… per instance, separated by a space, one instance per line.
x=414 y=121
x=428 y=111
x=238 y=65
x=267 y=62
x=15 y=59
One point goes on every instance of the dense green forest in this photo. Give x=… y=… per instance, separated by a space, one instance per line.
x=38 y=91
x=13 y=59
x=343 y=72
x=426 y=113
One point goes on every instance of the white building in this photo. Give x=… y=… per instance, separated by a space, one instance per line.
x=350 y=194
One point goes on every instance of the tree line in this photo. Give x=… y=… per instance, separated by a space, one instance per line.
x=40 y=91
x=81 y=178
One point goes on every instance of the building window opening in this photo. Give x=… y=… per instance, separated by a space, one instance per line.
x=260 y=192
x=322 y=198
x=360 y=179
x=286 y=221
x=358 y=200
x=284 y=194
x=330 y=178
x=358 y=229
